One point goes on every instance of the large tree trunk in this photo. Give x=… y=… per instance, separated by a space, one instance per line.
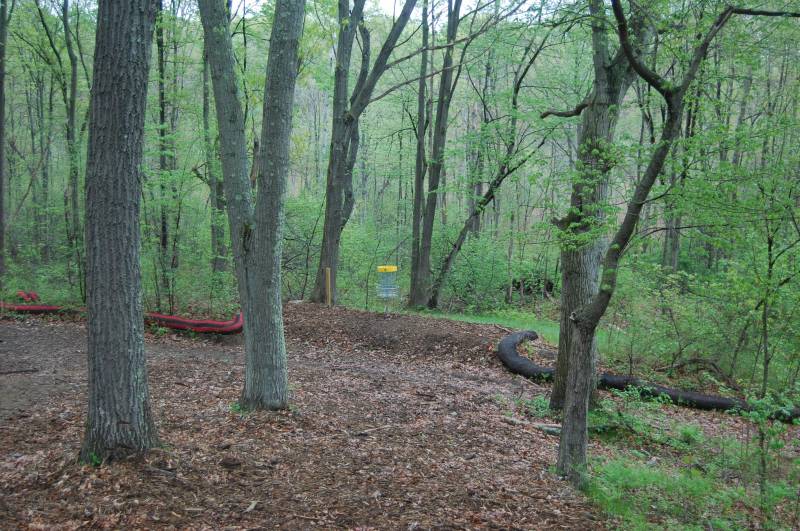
x=256 y=233
x=584 y=321
x=266 y=384
x=119 y=420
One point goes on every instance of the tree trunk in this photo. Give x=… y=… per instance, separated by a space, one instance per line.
x=339 y=199
x=417 y=292
x=72 y=149
x=266 y=384
x=436 y=163
x=584 y=321
x=119 y=420
x=583 y=249
x=256 y=233
x=219 y=250
x=338 y=191
x=4 y=19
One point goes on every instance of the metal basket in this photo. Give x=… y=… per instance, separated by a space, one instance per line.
x=387 y=282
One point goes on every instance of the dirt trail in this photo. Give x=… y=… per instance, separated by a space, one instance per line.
x=396 y=422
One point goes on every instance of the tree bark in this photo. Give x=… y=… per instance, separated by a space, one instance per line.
x=436 y=163
x=417 y=291
x=256 y=232
x=4 y=20
x=584 y=320
x=584 y=244
x=119 y=419
x=219 y=250
x=266 y=384
x=345 y=138
x=163 y=164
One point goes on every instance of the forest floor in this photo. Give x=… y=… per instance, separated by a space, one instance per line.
x=397 y=421
x=394 y=423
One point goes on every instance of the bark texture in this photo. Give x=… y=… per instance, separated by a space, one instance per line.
x=256 y=231
x=339 y=200
x=4 y=19
x=417 y=292
x=584 y=243
x=584 y=320
x=266 y=383
x=436 y=164
x=219 y=250
x=119 y=420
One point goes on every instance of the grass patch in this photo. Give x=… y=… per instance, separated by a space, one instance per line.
x=514 y=319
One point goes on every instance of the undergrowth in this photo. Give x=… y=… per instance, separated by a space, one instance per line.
x=665 y=474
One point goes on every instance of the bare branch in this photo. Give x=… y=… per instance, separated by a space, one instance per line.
x=570 y=113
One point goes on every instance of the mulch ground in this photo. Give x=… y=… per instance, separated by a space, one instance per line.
x=396 y=422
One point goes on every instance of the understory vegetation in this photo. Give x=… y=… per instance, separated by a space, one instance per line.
x=623 y=177
x=657 y=468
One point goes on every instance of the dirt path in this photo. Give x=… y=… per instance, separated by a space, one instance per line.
x=396 y=422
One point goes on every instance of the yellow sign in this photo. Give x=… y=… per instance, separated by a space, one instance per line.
x=387 y=269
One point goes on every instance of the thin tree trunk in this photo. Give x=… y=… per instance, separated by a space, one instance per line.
x=4 y=20
x=345 y=138
x=119 y=419
x=218 y=248
x=436 y=163
x=72 y=148
x=417 y=291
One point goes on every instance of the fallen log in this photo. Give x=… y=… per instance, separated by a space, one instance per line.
x=508 y=354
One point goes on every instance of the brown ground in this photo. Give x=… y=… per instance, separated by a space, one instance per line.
x=396 y=422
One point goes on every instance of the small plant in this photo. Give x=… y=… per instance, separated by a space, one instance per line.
x=537 y=407
x=690 y=434
x=237 y=408
x=95 y=460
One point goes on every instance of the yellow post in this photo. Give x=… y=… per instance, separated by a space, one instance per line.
x=328 y=294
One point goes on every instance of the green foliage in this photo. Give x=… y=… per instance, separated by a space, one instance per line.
x=238 y=409
x=538 y=406
x=671 y=474
x=95 y=460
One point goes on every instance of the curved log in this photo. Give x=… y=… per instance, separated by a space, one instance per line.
x=508 y=354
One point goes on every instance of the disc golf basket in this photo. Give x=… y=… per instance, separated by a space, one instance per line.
x=387 y=284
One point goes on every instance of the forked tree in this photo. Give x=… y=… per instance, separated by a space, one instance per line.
x=257 y=229
x=347 y=110
x=119 y=421
x=583 y=321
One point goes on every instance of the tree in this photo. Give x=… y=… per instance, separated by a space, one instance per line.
x=509 y=162
x=582 y=240
x=339 y=199
x=585 y=319
x=257 y=230
x=5 y=18
x=119 y=419
x=421 y=268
